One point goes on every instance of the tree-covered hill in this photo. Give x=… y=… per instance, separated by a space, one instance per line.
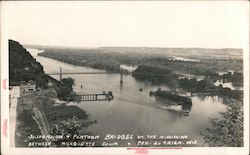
x=23 y=67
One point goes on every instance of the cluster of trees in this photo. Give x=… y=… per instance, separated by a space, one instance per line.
x=235 y=94
x=236 y=78
x=65 y=88
x=163 y=75
x=61 y=112
x=65 y=120
x=226 y=131
x=205 y=67
x=68 y=127
x=207 y=85
x=196 y=86
x=23 y=67
x=155 y=75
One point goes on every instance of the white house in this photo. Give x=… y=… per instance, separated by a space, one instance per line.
x=28 y=86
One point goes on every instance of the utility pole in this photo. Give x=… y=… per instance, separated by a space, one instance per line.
x=61 y=74
x=81 y=87
x=121 y=76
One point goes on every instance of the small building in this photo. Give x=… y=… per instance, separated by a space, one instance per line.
x=28 y=86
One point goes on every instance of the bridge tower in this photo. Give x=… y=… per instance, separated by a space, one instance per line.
x=121 y=76
x=60 y=73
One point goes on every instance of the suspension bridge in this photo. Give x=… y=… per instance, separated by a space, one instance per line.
x=90 y=97
x=61 y=73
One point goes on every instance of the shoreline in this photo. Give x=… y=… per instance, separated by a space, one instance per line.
x=43 y=115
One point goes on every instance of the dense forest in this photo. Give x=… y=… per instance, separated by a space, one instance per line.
x=23 y=67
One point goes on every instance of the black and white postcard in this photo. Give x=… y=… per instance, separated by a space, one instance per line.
x=125 y=77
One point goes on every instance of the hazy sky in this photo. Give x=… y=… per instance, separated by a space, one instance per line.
x=208 y=24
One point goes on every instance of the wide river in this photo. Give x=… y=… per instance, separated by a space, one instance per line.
x=133 y=111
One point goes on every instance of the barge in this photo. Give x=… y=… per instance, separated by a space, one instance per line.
x=170 y=99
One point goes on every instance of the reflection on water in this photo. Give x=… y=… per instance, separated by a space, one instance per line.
x=133 y=111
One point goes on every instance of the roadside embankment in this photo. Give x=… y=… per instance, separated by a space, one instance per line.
x=39 y=113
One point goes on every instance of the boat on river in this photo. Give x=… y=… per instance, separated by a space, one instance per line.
x=172 y=101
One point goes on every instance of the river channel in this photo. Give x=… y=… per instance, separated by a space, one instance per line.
x=133 y=111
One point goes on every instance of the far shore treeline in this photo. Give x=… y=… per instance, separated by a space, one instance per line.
x=158 y=67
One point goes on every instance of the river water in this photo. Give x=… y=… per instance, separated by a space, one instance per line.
x=133 y=111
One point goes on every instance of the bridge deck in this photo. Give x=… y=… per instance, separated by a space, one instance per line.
x=92 y=97
x=83 y=73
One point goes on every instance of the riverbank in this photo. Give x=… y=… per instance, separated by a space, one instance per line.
x=40 y=114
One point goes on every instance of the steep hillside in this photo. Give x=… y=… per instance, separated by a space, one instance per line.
x=23 y=67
